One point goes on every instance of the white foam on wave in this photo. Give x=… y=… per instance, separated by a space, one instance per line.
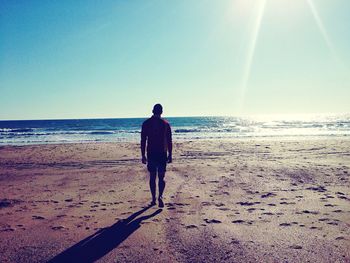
x=259 y=126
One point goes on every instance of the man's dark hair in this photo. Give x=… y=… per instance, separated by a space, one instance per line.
x=157 y=109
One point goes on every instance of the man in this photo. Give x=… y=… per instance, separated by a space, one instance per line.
x=156 y=132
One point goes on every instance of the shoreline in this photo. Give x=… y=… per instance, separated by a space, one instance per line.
x=183 y=140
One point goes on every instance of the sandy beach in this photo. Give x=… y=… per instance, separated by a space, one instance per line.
x=225 y=201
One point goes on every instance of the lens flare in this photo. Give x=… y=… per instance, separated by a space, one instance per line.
x=250 y=54
x=322 y=29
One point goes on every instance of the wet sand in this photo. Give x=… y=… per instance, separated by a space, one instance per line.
x=233 y=201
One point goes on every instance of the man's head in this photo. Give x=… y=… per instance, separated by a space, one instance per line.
x=157 y=109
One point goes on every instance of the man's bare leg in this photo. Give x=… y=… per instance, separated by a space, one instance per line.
x=161 y=185
x=152 y=185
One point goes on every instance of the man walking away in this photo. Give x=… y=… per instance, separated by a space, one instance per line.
x=156 y=133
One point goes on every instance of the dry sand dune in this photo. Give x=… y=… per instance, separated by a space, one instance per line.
x=233 y=201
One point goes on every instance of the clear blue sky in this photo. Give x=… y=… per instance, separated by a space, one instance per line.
x=88 y=59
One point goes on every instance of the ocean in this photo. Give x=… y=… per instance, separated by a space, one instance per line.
x=184 y=128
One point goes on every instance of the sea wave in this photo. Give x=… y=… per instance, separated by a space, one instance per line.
x=101 y=132
x=8 y=130
x=187 y=130
x=63 y=131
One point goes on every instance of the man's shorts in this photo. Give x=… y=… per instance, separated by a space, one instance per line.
x=156 y=162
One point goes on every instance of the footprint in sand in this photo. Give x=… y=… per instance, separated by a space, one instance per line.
x=240 y=221
x=38 y=217
x=212 y=221
x=191 y=226
x=287 y=203
x=310 y=212
x=192 y=212
x=268 y=213
x=332 y=223
x=57 y=227
x=330 y=205
x=247 y=203
x=340 y=193
x=268 y=195
x=317 y=188
x=323 y=219
x=59 y=216
x=214 y=181
x=182 y=204
x=339 y=238
x=9 y=229
x=125 y=213
x=234 y=241
x=337 y=211
x=285 y=224
x=8 y=202
x=296 y=247
x=315 y=227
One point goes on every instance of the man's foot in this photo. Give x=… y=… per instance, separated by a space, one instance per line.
x=160 y=202
x=153 y=202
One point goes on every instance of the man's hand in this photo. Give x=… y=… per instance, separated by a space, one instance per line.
x=144 y=159
x=170 y=159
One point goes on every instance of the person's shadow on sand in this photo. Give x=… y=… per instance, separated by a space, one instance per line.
x=103 y=241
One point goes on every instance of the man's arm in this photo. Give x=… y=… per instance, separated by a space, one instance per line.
x=170 y=144
x=143 y=144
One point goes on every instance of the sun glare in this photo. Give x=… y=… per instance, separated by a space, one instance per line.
x=250 y=54
x=259 y=7
x=322 y=28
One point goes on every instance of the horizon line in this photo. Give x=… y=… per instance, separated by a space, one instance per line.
x=189 y=116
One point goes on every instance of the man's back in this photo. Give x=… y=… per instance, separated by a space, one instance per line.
x=157 y=132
